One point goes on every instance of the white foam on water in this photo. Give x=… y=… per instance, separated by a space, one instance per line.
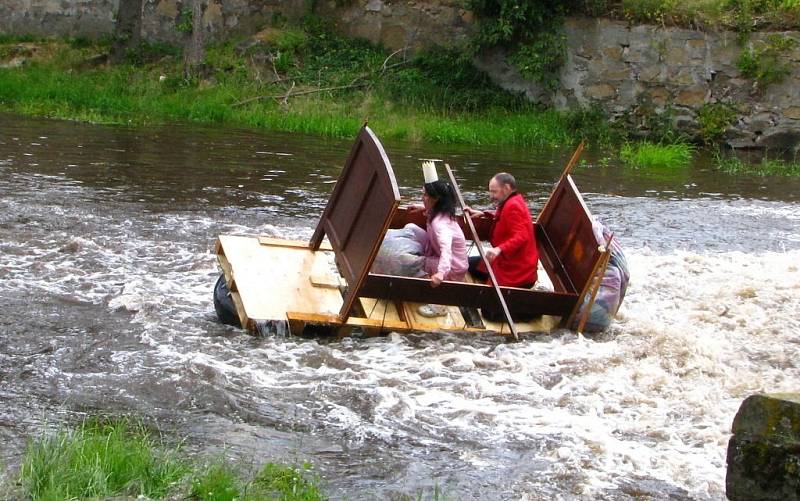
x=655 y=397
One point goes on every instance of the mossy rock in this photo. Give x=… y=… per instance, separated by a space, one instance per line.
x=764 y=451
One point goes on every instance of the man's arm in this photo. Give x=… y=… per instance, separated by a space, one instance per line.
x=521 y=225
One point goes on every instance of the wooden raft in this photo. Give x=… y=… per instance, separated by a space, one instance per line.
x=278 y=283
x=274 y=281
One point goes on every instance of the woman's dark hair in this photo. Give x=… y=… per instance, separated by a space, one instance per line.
x=445 y=197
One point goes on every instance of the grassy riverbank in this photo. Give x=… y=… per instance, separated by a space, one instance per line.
x=102 y=459
x=289 y=79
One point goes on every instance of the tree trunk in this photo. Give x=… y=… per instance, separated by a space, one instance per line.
x=128 y=30
x=195 y=46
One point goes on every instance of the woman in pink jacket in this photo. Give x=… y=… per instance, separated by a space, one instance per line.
x=442 y=240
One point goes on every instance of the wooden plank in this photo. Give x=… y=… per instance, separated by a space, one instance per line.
x=592 y=284
x=573 y=161
x=598 y=281
x=311 y=317
x=466 y=294
x=279 y=242
x=551 y=263
x=381 y=310
x=237 y=302
x=326 y=280
x=227 y=271
x=334 y=320
x=384 y=325
x=545 y=323
x=451 y=321
x=405 y=215
x=568 y=225
x=274 y=279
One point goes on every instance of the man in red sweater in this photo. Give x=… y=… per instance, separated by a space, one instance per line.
x=513 y=255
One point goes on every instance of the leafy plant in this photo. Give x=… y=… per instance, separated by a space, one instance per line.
x=714 y=119
x=592 y=123
x=529 y=30
x=445 y=79
x=185 y=21
x=291 y=39
x=541 y=58
x=119 y=458
x=282 y=61
x=80 y=42
x=647 y=11
x=436 y=96
x=763 y=62
x=148 y=52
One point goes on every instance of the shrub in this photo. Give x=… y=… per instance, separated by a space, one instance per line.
x=291 y=39
x=714 y=119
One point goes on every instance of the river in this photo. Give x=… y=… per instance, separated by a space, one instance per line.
x=107 y=270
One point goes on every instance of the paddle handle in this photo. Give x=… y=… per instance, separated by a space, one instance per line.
x=477 y=241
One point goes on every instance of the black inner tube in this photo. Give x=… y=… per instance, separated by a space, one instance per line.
x=223 y=303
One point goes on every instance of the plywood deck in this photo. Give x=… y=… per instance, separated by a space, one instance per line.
x=277 y=276
x=275 y=280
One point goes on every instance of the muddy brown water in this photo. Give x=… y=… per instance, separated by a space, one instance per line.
x=106 y=273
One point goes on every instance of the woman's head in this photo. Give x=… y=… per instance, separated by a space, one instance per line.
x=439 y=198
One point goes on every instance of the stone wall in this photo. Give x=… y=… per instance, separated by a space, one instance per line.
x=54 y=17
x=629 y=71
x=625 y=69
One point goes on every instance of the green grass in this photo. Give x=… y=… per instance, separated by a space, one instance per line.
x=276 y=481
x=739 y=15
x=648 y=155
x=219 y=482
x=731 y=164
x=436 y=96
x=101 y=459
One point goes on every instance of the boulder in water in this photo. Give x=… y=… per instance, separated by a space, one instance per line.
x=764 y=451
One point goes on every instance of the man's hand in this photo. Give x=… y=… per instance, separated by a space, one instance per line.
x=474 y=214
x=436 y=279
x=491 y=254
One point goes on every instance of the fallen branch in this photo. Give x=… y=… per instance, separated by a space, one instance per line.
x=301 y=93
x=285 y=101
x=403 y=50
x=284 y=98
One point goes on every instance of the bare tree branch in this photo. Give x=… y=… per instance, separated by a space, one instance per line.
x=301 y=93
x=283 y=99
x=403 y=50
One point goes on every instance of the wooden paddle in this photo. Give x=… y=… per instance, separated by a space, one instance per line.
x=483 y=255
